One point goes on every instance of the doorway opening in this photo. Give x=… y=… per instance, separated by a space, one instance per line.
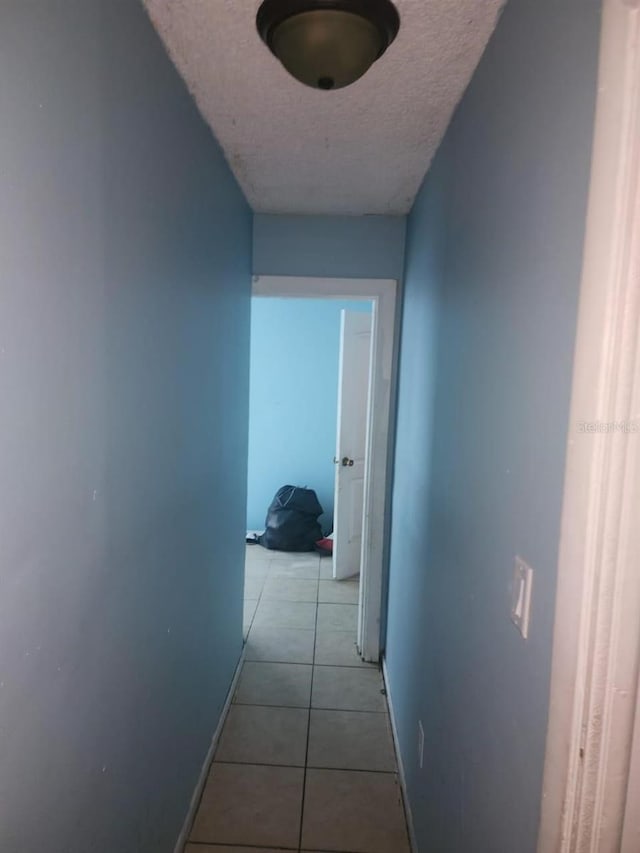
x=322 y=360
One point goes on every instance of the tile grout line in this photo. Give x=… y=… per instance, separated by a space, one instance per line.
x=209 y=844
x=258 y=849
x=306 y=753
x=393 y=773
x=372 y=667
x=259 y=599
x=303 y=707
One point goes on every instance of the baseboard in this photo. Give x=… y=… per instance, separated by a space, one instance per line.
x=202 y=779
x=401 y=775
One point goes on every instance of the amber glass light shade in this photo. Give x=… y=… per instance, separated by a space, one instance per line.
x=327 y=44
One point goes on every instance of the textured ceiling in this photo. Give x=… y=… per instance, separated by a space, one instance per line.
x=359 y=150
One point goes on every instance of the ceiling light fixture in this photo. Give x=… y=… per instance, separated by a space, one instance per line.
x=327 y=44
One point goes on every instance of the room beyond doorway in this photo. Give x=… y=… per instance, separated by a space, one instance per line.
x=380 y=294
x=294 y=373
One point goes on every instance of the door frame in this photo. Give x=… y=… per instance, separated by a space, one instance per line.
x=591 y=770
x=382 y=293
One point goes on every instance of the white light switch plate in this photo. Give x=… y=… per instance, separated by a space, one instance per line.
x=521 y=596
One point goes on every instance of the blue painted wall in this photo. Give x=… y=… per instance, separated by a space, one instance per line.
x=492 y=277
x=125 y=250
x=295 y=346
x=331 y=246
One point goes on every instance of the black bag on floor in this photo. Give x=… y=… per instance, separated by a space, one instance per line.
x=292 y=520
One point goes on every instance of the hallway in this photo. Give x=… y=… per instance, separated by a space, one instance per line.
x=305 y=761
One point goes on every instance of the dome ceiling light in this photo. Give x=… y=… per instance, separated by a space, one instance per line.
x=327 y=44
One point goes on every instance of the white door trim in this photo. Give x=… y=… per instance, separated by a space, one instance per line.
x=382 y=293
x=597 y=626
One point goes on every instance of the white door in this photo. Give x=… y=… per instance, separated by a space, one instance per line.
x=351 y=439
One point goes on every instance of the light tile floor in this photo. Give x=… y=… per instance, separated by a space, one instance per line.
x=305 y=761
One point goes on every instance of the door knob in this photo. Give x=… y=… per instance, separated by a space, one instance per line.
x=346 y=462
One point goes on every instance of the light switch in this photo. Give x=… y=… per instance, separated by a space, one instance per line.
x=521 y=596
